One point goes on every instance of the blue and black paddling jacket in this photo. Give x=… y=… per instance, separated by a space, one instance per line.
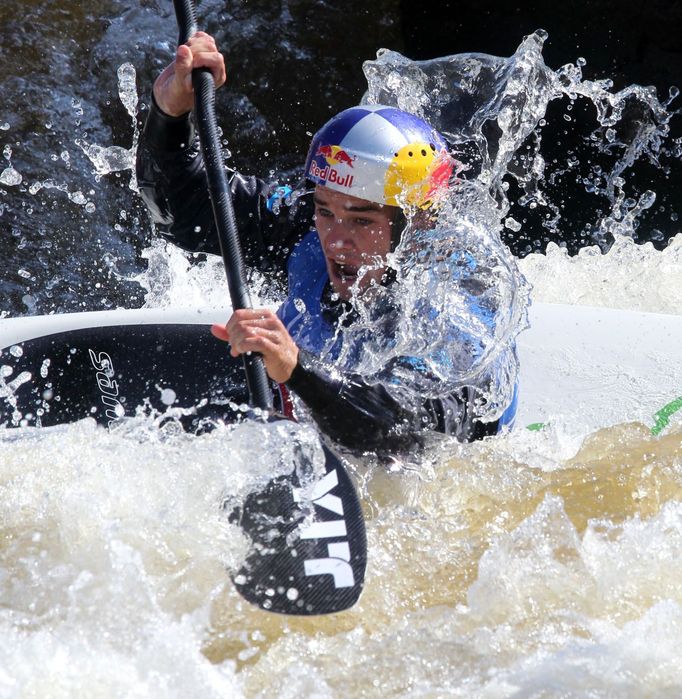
x=280 y=242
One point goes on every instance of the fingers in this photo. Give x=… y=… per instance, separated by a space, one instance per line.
x=248 y=328
x=219 y=332
x=173 y=88
x=203 y=53
x=244 y=324
x=262 y=317
x=260 y=330
x=256 y=340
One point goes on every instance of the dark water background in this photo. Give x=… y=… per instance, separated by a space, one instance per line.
x=292 y=64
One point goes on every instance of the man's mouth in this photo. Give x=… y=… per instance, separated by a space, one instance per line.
x=344 y=271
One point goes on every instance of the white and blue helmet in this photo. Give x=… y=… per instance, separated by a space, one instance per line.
x=380 y=154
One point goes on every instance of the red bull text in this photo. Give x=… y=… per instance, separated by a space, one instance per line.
x=330 y=174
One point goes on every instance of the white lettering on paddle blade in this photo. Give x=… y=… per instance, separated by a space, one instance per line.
x=325 y=530
x=337 y=565
x=320 y=488
x=332 y=503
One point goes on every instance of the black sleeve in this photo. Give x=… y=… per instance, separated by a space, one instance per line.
x=356 y=413
x=172 y=182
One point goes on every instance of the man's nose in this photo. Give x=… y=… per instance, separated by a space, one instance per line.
x=340 y=236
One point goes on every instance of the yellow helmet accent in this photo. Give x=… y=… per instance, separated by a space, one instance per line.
x=415 y=173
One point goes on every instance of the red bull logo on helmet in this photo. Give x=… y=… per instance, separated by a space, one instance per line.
x=335 y=155
x=330 y=174
x=332 y=157
x=383 y=155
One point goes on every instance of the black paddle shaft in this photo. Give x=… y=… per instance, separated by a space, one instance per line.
x=221 y=201
x=297 y=564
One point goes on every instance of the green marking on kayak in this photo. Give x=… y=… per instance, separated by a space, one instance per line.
x=664 y=414
x=536 y=426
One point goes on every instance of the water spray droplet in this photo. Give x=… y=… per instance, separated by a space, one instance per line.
x=10 y=177
x=512 y=224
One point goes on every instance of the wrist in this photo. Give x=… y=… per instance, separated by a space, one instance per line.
x=165 y=132
x=305 y=362
x=294 y=362
x=167 y=109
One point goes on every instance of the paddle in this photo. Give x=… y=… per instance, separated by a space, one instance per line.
x=309 y=550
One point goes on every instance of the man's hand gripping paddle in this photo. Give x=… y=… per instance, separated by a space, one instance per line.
x=309 y=548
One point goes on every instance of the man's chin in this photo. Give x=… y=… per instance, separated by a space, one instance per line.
x=341 y=284
x=343 y=290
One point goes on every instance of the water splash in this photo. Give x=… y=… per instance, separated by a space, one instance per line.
x=492 y=111
x=108 y=159
x=451 y=317
x=485 y=106
x=9 y=384
x=9 y=176
x=174 y=279
x=76 y=196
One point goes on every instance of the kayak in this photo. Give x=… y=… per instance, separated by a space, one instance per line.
x=109 y=364
x=582 y=368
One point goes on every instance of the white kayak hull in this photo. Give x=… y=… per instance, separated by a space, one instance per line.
x=582 y=367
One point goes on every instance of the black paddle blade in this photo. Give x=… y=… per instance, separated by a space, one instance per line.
x=309 y=547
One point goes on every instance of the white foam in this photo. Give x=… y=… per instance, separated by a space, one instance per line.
x=628 y=276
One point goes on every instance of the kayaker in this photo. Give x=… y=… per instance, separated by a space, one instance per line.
x=369 y=171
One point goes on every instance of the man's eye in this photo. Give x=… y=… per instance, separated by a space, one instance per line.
x=323 y=213
x=364 y=221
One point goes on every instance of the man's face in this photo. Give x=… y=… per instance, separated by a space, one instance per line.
x=354 y=233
